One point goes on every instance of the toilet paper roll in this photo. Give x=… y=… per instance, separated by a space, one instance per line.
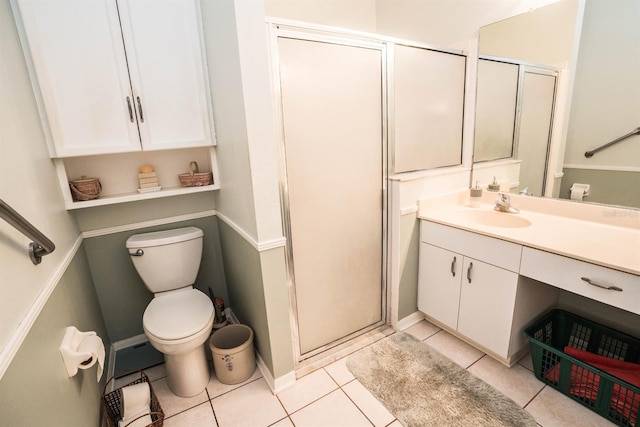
x=577 y=194
x=93 y=348
x=136 y=400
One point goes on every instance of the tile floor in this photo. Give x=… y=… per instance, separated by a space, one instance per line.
x=331 y=396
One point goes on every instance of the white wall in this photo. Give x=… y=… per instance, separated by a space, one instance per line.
x=29 y=184
x=236 y=41
x=544 y=36
x=606 y=95
x=354 y=14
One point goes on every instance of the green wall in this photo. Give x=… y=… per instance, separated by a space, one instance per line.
x=408 y=256
x=607 y=186
x=35 y=390
x=258 y=293
x=122 y=294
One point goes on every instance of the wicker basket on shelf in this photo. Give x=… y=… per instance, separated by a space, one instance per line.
x=195 y=178
x=112 y=403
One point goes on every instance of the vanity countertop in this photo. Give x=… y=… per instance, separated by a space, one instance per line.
x=607 y=237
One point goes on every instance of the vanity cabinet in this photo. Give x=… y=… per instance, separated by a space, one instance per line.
x=612 y=287
x=469 y=284
x=117 y=76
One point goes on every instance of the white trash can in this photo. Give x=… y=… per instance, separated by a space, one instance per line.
x=233 y=358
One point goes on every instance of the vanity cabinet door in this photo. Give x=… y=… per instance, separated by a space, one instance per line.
x=439 y=276
x=487 y=302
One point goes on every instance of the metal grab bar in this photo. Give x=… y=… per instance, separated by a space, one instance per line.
x=40 y=246
x=590 y=154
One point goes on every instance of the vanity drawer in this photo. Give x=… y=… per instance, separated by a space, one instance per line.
x=493 y=251
x=567 y=273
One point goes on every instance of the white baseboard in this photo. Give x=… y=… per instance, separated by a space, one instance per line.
x=410 y=320
x=275 y=384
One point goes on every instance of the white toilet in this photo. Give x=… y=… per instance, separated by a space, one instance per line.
x=179 y=319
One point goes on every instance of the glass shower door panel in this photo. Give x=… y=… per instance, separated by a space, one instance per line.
x=332 y=113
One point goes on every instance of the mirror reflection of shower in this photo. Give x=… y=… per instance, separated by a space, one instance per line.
x=596 y=101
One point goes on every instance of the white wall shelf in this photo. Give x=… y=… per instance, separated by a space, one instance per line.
x=118 y=174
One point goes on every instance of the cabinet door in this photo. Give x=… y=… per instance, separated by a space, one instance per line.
x=166 y=62
x=487 y=302
x=79 y=71
x=439 y=284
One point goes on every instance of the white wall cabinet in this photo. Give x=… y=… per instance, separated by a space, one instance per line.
x=469 y=284
x=118 y=83
x=117 y=76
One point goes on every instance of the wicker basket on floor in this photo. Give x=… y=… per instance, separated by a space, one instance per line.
x=112 y=403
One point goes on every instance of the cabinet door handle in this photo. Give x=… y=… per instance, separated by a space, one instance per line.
x=140 y=109
x=130 y=109
x=599 y=285
x=469 y=272
x=453 y=267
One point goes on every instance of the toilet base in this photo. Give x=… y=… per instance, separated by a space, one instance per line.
x=187 y=373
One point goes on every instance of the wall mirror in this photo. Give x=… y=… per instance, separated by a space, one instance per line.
x=595 y=47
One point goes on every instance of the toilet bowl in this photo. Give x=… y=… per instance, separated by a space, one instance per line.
x=179 y=318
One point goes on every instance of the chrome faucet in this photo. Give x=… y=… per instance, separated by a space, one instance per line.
x=525 y=191
x=503 y=204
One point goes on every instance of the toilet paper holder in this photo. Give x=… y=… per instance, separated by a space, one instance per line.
x=69 y=349
x=584 y=188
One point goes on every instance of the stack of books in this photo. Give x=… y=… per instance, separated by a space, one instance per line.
x=148 y=180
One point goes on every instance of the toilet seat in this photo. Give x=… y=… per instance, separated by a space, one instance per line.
x=178 y=315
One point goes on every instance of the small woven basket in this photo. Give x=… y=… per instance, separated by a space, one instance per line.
x=112 y=403
x=195 y=178
x=85 y=188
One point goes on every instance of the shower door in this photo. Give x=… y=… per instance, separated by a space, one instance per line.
x=333 y=151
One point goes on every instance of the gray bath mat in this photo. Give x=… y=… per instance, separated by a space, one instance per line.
x=421 y=387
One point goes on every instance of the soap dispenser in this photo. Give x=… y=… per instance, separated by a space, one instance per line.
x=494 y=186
x=475 y=196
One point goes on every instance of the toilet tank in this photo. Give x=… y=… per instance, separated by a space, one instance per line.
x=166 y=260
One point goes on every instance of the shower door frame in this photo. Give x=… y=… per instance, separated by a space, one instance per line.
x=295 y=31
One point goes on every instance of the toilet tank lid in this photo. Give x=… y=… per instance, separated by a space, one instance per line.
x=166 y=237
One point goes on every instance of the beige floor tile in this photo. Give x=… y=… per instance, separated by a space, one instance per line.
x=154 y=373
x=455 y=349
x=334 y=409
x=339 y=372
x=216 y=388
x=551 y=408
x=307 y=389
x=518 y=383
x=285 y=422
x=172 y=404
x=526 y=362
x=201 y=416
x=422 y=330
x=368 y=404
x=252 y=405
x=396 y=423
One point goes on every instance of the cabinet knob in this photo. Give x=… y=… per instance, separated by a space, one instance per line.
x=469 y=272
x=453 y=267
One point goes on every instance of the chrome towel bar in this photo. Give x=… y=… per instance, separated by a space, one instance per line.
x=589 y=154
x=40 y=246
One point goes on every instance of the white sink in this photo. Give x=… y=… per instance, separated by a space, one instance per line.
x=492 y=218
